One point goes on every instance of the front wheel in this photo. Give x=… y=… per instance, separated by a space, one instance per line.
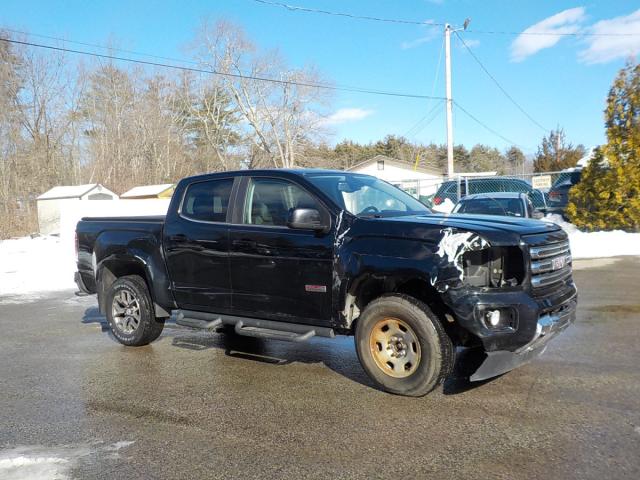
x=402 y=345
x=130 y=312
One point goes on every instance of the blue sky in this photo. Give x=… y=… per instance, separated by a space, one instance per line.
x=558 y=83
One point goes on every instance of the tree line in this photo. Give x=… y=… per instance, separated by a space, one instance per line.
x=67 y=122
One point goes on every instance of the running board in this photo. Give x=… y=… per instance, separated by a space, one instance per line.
x=252 y=327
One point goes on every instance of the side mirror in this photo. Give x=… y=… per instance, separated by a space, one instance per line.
x=305 y=219
x=538 y=214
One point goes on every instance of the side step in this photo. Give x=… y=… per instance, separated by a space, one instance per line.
x=193 y=322
x=252 y=327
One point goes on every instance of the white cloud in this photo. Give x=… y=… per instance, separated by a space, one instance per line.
x=603 y=49
x=344 y=115
x=471 y=42
x=431 y=32
x=527 y=43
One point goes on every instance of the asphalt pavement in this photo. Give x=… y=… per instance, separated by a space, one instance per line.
x=200 y=405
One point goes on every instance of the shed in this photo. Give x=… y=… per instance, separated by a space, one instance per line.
x=149 y=191
x=419 y=181
x=51 y=203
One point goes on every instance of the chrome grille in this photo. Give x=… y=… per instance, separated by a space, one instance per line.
x=550 y=263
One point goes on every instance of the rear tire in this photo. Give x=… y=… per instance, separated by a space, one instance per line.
x=130 y=312
x=402 y=346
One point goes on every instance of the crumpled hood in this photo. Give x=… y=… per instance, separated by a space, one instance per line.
x=498 y=230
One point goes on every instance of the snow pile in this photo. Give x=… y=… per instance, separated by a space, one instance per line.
x=598 y=244
x=57 y=463
x=33 y=265
x=445 y=207
x=29 y=266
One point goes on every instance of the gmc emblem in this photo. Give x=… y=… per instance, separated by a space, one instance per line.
x=316 y=288
x=558 y=262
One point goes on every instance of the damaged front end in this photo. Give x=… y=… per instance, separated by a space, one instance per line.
x=487 y=286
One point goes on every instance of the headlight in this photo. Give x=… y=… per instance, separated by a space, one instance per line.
x=494 y=267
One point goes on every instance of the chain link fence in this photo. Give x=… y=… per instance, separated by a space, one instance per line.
x=443 y=193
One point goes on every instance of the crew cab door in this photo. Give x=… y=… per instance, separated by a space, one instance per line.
x=196 y=245
x=278 y=272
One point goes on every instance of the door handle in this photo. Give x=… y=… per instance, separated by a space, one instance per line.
x=178 y=238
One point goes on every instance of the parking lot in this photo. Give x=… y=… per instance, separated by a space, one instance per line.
x=210 y=405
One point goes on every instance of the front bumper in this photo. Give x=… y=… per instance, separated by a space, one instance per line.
x=548 y=326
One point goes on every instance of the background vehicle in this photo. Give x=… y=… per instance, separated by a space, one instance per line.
x=470 y=186
x=506 y=203
x=292 y=254
x=558 y=197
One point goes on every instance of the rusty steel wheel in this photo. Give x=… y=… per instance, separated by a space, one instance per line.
x=402 y=345
x=394 y=347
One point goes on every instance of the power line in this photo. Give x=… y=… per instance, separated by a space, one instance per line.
x=296 y=8
x=506 y=94
x=418 y=126
x=103 y=47
x=488 y=128
x=226 y=74
x=433 y=91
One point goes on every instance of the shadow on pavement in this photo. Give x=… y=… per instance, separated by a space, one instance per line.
x=336 y=354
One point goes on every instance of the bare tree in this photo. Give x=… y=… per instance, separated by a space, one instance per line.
x=282 y=115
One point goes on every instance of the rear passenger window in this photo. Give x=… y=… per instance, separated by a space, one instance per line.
x=208 y=201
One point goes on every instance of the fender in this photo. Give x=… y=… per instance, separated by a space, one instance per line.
x=123 y=252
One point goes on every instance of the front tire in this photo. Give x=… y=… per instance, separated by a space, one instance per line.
x=402 y=346
x=130 y=312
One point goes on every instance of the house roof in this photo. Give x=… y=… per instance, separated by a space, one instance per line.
x=398 y=163
x=147 y=190
x=69 y=191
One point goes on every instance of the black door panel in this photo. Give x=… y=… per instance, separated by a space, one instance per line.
x=278 y=272
x=196 y=243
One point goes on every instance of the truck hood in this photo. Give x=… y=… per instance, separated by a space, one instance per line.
x=496 y=229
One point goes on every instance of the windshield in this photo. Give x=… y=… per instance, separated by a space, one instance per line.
x=364 y=195
x=511 y=207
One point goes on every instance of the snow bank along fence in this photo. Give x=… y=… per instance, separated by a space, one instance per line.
x=429 y=191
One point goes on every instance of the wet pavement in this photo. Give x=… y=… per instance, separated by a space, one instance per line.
x=209 y=405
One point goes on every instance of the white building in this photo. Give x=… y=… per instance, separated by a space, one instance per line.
x=419 y=181
x=51 y=203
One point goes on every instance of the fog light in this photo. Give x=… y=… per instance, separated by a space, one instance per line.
x=493 y=317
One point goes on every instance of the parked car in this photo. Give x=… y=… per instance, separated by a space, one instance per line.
x=293 y=254
x=449 y=190
x=509 y=204
x=558 y=197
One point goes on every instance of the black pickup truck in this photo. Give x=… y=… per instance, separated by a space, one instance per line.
x=292 y=254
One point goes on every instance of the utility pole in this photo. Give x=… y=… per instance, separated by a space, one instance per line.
x=447 y=54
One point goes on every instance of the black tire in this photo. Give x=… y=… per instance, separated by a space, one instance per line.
x=431 y=345
x=147 y=326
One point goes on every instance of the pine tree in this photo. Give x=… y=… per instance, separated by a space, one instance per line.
x=554 y=153
x=608 y=195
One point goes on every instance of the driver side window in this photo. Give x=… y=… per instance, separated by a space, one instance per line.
x=269 y=201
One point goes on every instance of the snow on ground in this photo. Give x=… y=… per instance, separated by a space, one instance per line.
x=598 y=244
x=42 y=463
x=33 y=265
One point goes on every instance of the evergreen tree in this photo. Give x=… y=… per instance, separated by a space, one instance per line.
x=608 y=195
x=554 y=153
x=515 y=160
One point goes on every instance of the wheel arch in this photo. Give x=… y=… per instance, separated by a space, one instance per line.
x=119 y=265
